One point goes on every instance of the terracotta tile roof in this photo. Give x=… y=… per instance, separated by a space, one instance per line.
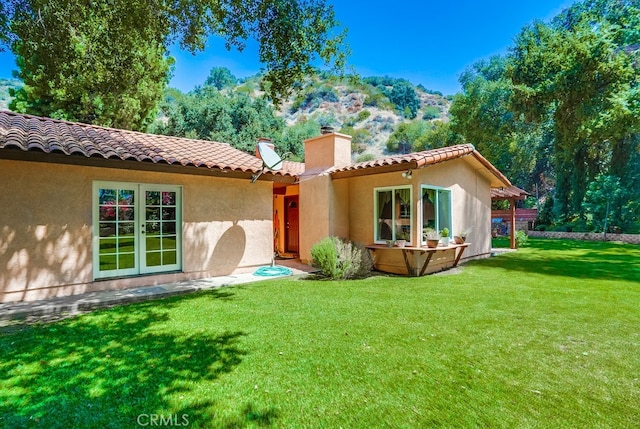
x=511 y=192
x=32 y=133
x=421 y=159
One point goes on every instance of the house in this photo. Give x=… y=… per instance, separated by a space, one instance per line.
x=86 y=208
x=396 y=198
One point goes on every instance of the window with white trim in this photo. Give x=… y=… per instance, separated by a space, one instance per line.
x=393 y=211
x=436 y=209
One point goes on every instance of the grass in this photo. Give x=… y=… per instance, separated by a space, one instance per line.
x=543 y=337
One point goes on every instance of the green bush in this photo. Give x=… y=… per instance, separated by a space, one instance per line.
x=430 y=112
x=339 y=259
x=365 y=157
x=358 y=135
x=362 y=115
x=521 y=238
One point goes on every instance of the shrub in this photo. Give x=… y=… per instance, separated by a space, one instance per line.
x=358 y=135
x=362 y=115
x=339 y=259
x=314 y=97
x=365 y=157
x=521 y=238
x=430 y=112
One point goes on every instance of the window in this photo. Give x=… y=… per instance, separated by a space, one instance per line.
x=393 y=213
x=436 y=208
x=137 y=228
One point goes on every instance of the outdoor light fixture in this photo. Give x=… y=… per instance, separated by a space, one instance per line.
x=408 y=174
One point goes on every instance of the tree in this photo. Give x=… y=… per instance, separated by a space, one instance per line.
x=406 y=136
x=106 y=62
x=72 y=69
x=292 y=137
x=603 y=202
x=439 y=134
x=209 y=114
x=588 y=84
x=404 y=96
x=220 y=78
x=482 y=115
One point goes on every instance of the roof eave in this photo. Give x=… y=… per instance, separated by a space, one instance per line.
x=129 y=164
x=496 y=177
x=368 y=171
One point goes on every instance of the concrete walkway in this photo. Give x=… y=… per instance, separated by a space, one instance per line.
x=62 y=307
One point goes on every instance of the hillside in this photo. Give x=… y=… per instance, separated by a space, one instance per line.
x=369 y=110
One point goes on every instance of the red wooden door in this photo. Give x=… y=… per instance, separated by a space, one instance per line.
x=291 y=224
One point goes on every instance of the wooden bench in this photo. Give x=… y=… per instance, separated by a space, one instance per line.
x=406 y=251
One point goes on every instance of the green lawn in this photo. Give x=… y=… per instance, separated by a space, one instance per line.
x=545 y=337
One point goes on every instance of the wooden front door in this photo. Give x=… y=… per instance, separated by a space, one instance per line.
x=291 y=224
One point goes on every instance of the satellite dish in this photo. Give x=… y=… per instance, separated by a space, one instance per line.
x=270 y=160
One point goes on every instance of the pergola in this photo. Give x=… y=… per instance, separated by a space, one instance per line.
x=512 y=193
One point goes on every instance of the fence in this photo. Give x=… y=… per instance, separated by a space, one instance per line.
x=591 y=236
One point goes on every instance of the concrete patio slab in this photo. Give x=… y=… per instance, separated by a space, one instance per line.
x=67 y=306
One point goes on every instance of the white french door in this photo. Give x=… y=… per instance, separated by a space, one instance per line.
x=136 y=228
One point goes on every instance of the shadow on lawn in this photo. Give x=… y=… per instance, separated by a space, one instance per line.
x=574 y=258
x=109 y=368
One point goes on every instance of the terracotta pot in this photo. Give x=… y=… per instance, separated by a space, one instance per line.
x=432 y=243
x=458 y=240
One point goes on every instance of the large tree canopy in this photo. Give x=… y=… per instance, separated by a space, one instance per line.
x=206 y=113
x=562 y=107
x=106 y=62
x=482 y=115
x=589 y=85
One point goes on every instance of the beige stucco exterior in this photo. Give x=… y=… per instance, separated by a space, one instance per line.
x=227 y=223
x=471 y=208
x=46 y=227
x=324 y=202
x=327 y=150
x=345 y=208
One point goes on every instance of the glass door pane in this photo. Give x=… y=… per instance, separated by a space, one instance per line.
x=161 y=229
x=444 y=209
x=116 y=231
x=384 y=212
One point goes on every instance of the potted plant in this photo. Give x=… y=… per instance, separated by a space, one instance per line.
x=462 y=236
x=401 y=239
x=444 y=232
x=432 y=237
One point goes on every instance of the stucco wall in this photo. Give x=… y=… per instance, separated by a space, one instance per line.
x=46 y=227
x=315 y=203
x=471 y=208
x=327 y=150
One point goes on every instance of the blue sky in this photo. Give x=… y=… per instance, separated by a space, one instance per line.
x=427 y=42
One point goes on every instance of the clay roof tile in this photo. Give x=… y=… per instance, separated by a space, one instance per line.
x=32 y=133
